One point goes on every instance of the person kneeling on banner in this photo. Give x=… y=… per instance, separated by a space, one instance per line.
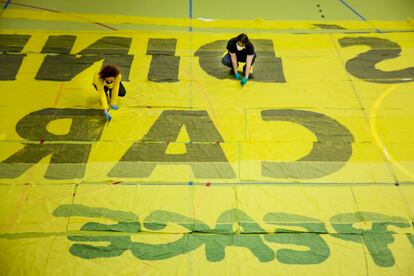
x=109 y=86
x=240 y=50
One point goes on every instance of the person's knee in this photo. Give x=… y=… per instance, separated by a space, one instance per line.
x=254 y=58
x=122 y=91
x=226 y=60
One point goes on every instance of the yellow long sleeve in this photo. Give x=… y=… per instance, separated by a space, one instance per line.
x=99 y=83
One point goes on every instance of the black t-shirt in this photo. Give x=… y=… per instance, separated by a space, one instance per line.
x=232 y=48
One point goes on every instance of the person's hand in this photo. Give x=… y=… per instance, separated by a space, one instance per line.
x=114 y=107
x=237 y=75
x=107 y=116
x=243 y=81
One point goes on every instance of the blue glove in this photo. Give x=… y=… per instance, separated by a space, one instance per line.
x=108 y=116
x=243 y=81
x=237 y=76
x=114 y=107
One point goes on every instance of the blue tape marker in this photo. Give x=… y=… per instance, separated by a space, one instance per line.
x=6 y=4
x=355 y=12
x=190 y=13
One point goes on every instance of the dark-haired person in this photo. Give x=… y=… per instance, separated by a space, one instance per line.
x=240 y=49
x=109 y=86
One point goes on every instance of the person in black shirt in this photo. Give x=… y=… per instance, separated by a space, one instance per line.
x=240 y=49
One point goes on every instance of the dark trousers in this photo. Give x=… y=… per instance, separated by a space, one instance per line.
x=121 y=92
x=226 y=60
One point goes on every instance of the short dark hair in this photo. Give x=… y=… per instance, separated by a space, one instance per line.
x=109 y=71
x=243 y=39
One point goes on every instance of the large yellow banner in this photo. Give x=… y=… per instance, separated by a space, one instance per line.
x=307 y=169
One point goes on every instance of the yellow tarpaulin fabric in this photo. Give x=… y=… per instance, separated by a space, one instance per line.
x=306 y=170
